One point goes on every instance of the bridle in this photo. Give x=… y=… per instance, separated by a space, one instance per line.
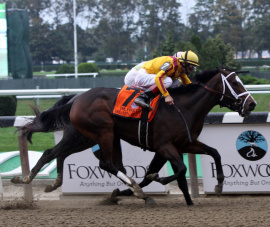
x=236 y=103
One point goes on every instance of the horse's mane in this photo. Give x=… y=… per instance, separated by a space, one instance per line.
x=206 y=75
x=202 y=77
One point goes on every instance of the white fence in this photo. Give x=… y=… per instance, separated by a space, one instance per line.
x=42 y=91
x=72 y=75
x=254 y=89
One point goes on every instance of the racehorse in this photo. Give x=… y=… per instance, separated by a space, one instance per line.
x=73 y=141
x=91 y=115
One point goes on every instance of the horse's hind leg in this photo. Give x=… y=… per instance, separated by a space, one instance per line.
x=77 y=144
x=170 y=153
x=59 y=179
x=182 y=184
x=72 y=142
x=45 y=158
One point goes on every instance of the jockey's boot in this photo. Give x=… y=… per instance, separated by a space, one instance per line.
x=144 y=98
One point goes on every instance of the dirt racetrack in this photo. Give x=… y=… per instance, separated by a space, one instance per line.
x=48 y=209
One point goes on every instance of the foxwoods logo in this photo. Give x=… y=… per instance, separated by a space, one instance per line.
x=95 y=172
x=251 y=145
x=242 y=171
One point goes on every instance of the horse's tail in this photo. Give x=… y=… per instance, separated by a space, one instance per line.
x=64 y=100
x=53 y=119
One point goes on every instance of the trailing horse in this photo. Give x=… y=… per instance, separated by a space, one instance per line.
x=72 y=142
x=91 y=115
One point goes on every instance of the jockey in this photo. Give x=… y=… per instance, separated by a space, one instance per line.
x=156 y=75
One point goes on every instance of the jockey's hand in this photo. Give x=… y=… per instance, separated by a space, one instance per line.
x=169 y=100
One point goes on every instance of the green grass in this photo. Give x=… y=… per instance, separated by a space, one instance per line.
x=24 y=109
x=42 y=141
x=9 y=140
x=263 y=101
x=43 y=73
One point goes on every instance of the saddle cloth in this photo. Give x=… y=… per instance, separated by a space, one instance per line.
x=124 y=105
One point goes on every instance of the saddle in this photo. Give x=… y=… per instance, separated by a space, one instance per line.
x=125 y=107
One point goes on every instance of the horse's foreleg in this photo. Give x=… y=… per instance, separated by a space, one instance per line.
x=111 y=161
x=220 y=176
x=201 y=148
x=155 y=166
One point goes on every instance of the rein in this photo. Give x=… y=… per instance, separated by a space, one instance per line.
x=188 y=132
x=214 y=91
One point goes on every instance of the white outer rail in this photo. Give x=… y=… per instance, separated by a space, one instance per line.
x=260 y=87
x=254 y=89
x=42 y=91
x=72 y=74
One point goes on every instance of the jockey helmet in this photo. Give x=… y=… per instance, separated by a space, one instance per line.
x=190 y=58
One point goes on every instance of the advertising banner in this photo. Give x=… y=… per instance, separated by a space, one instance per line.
x=82 y=174
x=244 y=154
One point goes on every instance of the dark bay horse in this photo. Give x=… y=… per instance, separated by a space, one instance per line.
x=225 y=89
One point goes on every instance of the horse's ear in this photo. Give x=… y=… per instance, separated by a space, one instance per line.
x=220 y=70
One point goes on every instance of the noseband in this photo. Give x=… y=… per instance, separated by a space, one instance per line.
x=236 y=103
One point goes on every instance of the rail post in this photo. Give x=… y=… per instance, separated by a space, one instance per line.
x=193 y=176
x=28 y=191
x=1 y=187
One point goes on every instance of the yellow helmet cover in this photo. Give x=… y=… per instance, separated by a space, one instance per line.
x=190 y=57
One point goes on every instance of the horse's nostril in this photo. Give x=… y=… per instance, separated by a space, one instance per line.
x=252 y=106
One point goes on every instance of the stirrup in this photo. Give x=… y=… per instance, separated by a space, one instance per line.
x=141 y=103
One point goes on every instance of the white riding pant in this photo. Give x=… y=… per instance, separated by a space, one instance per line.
x=143 y=80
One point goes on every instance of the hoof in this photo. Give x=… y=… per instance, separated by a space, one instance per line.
x=152 y=176
x=190 y=204
x=15 y=180
x=126 y=192
x=218 y=190
x=115 y=193
x=49 y=188
x=150 y=201
x=138 y=192
x=18 y=180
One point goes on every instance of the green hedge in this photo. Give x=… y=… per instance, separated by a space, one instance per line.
x=45 y=68
x=65 y=68
x=248 y=79
x=254 y=62
x=100 y=65
x=8 y=105
x=87 y=68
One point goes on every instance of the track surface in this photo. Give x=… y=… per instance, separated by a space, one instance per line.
x=48 y=209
